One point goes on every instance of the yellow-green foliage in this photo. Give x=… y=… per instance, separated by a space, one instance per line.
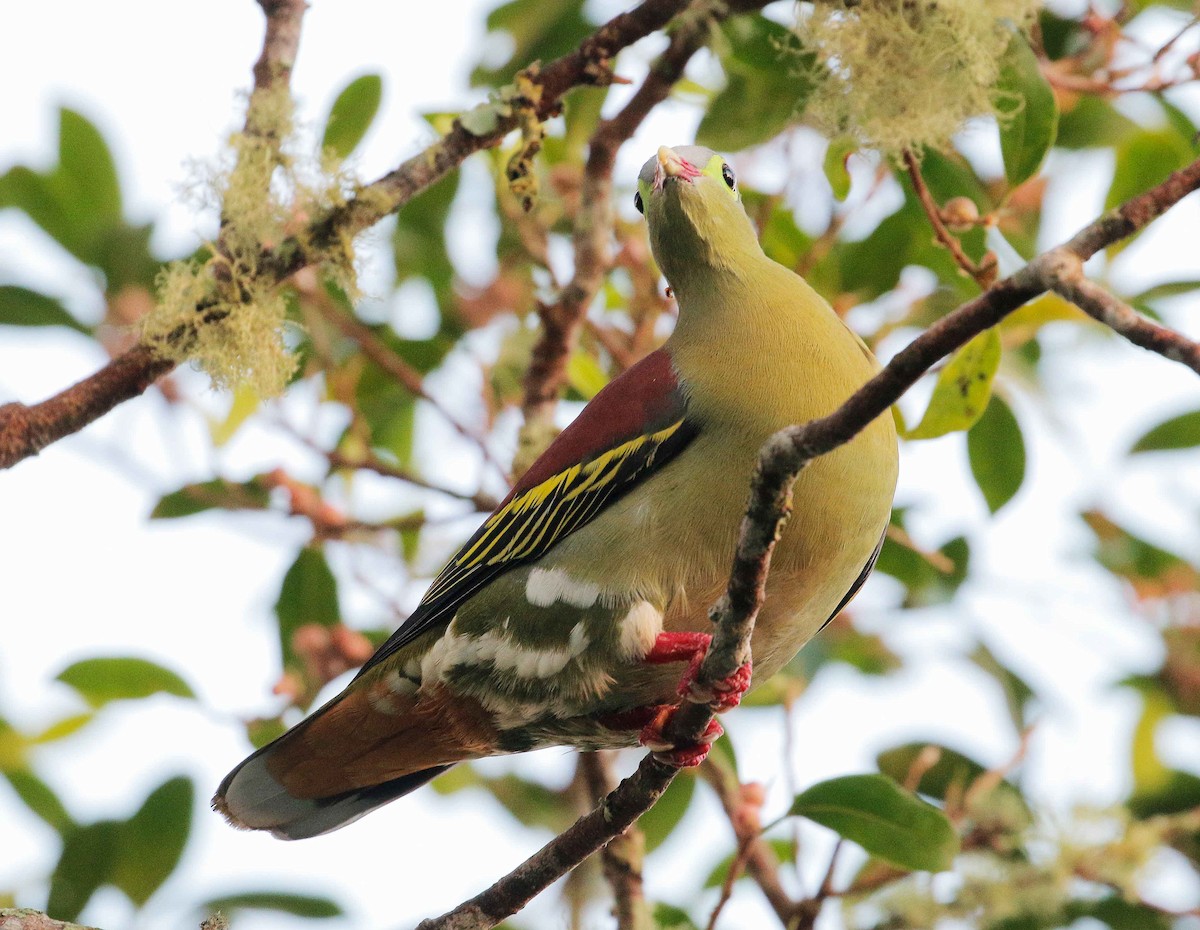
x=901 y=74
x=228 y=316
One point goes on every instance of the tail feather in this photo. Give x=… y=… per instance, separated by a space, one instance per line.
x=251 y=798
x=358 y=752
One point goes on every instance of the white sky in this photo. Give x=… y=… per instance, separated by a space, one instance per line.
x=83 y=572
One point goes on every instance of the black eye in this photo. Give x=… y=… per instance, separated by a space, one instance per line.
x=727 y=174
x=637 y=202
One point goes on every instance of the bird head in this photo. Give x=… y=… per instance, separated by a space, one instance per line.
x=690 y=199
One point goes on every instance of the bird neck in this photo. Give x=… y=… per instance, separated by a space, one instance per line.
x=758 y=344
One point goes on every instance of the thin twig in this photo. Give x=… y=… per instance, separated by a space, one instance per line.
x=761 y=862
x=984 y=275
x=367 y=461
x=621 y=859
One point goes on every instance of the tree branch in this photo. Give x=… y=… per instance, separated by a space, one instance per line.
x=25 y=918
x=24 y=431
x=781 y=460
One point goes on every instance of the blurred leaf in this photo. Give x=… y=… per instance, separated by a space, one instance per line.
x=541 y=30
x=298 y=905
x=670 y=917
x=1026 y=320
x=1118 y=914
x=996 y=451
x=63 y=728
x=20 y=306
x=390 y=410
x=13 y=746
x=86 y=169
x=217 y=494
x=308 y=595
x=152 y=840
x=1150 y=569
x=658 y=822
x=841 y=641
x=246 y=402
x=1175 y=793
x=963 y=387
x=1178 y=432
x=41 y=799
x=925 y=582
x=531 y=803
x=419 y=240
x=585 y=375
x=952 y=769
x=884 y=819
x=99 y=681
x=1169 y=289
x=1017 y=693
x=263 y=730
x=1088 y=121
x=1027 y=113
x=1143 y=160
x=836 y=172
x=766 y=88
x=352 y=114
x=83 y=866
x=784 y=852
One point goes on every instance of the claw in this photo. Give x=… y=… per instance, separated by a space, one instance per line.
x=681 y=757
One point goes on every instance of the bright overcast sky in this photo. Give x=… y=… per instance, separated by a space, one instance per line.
x=83 y=573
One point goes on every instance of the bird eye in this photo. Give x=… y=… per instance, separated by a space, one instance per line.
x=637 y=202
x=727 y=174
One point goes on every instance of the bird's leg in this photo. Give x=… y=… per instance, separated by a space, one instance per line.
x=692 y=647
x=721 y=696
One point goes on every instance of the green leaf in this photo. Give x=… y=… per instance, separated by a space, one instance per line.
x=152 y=840
x=217 y=494
x=99 y=681
x=884 y=819
x=765 y=88
x=585 y=375
x=658 y=822
x=298 y=905
x=20 y=306
x=1152 y=570
x=83 y=866
x=540 y=30
x=836 y=156
x=1090 y=122
x=1178 y=432
x=308 y=595
x=1017 y=693
x=670 y=917
x=963 y=387
x=929 y=578
x=996 y=451
x=1027 y=113
x=1143 y=160
x=784 y=852
x=41 y=799
x=86 y=165
x=352 y=114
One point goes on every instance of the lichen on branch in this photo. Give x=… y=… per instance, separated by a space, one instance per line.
x=228 y=315
x=907 y=75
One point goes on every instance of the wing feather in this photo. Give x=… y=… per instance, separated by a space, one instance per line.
x=635 y=427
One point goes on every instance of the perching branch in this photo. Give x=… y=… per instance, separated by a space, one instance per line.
x=26 y=430
x=622 y=858
x=781 y=460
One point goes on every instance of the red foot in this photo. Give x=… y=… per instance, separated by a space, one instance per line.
x=692 y=647
x=681 y=757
